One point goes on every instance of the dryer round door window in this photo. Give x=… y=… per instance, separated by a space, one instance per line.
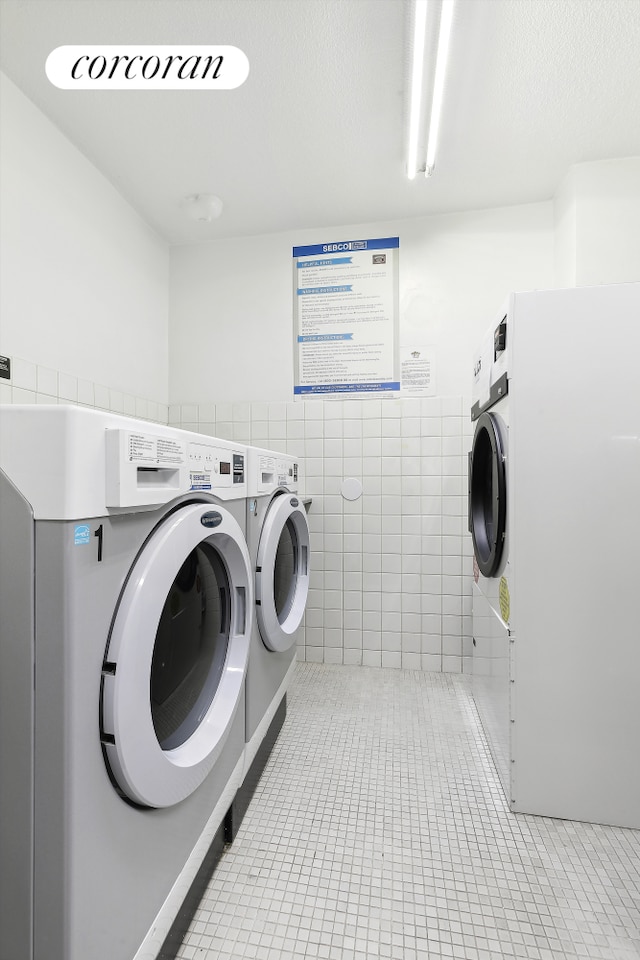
x=488 y=494
x=176 y=660
x=282 y=572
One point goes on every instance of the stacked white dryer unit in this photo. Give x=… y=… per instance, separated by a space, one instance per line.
x=279 y=548
x=489 y=529
x=554 y=493
x=127 y=596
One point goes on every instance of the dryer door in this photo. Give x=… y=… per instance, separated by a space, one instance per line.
x=282 y=572
x=488 y=494
x=176 y=660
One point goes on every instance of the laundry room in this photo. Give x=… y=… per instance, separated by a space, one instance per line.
x=427 y=746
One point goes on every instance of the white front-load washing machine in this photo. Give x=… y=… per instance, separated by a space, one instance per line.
x=278 y=541
x=553 y=508
x=127 y=601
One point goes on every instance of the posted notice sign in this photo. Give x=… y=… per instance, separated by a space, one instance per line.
x=345 y=297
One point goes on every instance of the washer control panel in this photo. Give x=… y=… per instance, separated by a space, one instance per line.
x=145 y=468
x=274 y=472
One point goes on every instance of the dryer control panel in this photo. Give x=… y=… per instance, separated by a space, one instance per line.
x=491 y=364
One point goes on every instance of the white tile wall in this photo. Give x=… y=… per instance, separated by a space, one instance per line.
x=391 y=578
x=32 y=383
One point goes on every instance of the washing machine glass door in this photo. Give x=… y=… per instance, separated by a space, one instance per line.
x=176 y=660
x=282 y=572
x=488 y=494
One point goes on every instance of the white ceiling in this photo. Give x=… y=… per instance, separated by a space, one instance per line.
x=316 y=136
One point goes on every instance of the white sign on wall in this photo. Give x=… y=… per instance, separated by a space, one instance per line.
x=345 y=297
x=417 y=368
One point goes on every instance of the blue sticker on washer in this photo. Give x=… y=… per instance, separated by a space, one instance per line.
x=82 y=534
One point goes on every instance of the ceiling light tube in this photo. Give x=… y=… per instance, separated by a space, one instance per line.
x=446 y=18
x=417 y=67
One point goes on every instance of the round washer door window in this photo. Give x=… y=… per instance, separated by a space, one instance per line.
x=487 y=494
x=177 y=655
x=282 y=572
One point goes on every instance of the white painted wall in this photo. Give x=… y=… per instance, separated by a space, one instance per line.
x=565 y=232
x=84 y=287
x=231 y=315
x=597 y=223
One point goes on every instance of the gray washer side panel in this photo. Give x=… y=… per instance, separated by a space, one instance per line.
x=16 y=723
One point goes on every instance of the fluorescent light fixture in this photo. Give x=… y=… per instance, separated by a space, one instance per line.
x=417 y=70
x=446 y=17
x=418 y=81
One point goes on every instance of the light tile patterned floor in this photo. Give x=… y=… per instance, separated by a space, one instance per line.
x=379 y=830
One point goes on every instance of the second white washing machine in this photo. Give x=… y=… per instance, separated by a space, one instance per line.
x=279 y=545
